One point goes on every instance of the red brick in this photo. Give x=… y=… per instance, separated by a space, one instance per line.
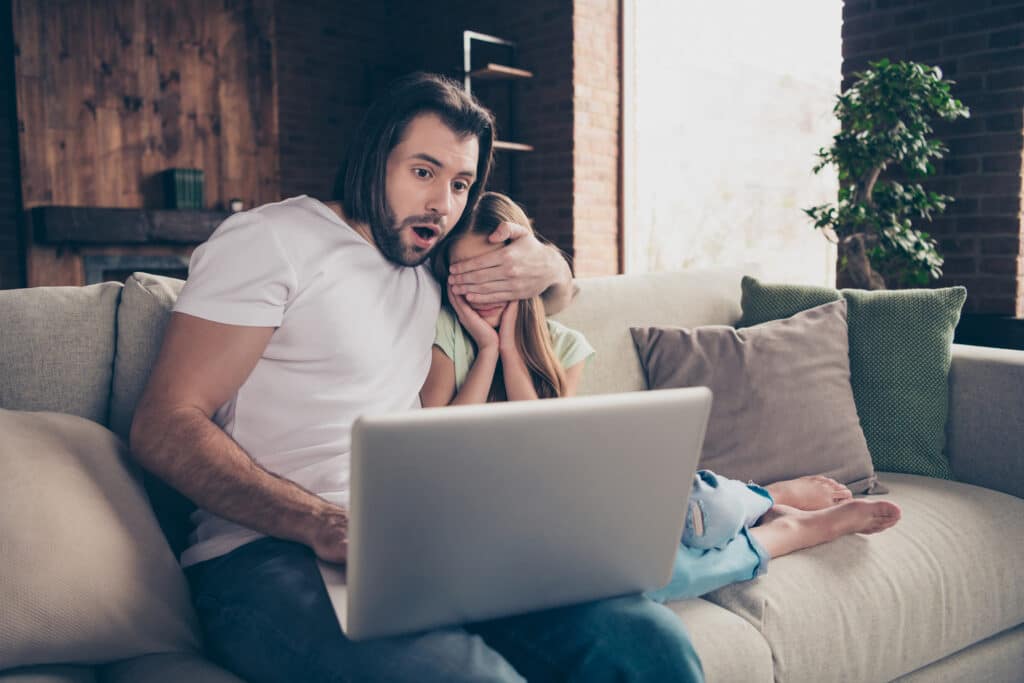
x=955 y=46
x=1012 y=37
x=1006 y=122
x=957 y=266
x=957 y=246
x=1000 y=245
x=1003 y=80
x=1000 y=265
x=993 y=206
x=980 y=185
x=1005 y=163
x=993 y=225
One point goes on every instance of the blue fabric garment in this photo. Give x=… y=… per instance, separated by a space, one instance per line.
x=697 y=571
x=717 y=547
x=720 y=508
x=266 y=616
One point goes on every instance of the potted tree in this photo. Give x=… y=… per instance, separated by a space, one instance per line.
x=882 y=151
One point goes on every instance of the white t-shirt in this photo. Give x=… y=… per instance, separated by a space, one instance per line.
x=354 y=333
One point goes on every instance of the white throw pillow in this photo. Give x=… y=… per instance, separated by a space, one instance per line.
x=86 y=575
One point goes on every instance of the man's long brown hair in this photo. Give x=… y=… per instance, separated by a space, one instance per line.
x=360 y=186
x=532 y=337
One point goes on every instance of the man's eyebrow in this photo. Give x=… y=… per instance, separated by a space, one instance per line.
x=431 y=160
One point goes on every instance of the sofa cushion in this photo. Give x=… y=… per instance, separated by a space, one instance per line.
x=57 y=349
x=782 y=408
x=730 y=649
x=142 y=316
x=49 y=673
x=167 y=668
x=606 y=307
x=87 y=576
x=995 y=660
x=900 y=351
x=945 y=577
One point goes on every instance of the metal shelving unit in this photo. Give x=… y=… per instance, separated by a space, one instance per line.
x=505 y=72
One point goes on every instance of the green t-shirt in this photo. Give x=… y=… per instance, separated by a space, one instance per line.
x=570 y=346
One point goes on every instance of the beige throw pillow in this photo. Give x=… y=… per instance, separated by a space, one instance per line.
x=782 y=407
x=86 y=574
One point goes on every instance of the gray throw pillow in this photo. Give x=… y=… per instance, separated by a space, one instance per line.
x=782 y=407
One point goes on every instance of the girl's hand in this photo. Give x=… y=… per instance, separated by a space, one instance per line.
x=507 y=328
x=483 y=334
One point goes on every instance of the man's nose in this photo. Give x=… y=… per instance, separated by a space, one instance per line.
x=440 y=201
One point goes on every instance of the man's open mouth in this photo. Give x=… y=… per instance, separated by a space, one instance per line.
x=424 y=232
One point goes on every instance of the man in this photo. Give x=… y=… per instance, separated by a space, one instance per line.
x=296 y=318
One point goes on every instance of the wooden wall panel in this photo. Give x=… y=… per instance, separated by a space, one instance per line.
x=112 y=92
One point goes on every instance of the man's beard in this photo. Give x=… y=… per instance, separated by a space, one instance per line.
x=389 y=238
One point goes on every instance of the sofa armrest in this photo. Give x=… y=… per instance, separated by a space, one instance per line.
x=985 y=430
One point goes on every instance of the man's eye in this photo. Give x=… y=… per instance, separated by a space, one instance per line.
x=421 y=172
x=461 y=185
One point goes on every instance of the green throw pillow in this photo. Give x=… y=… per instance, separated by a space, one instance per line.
x=900 y=352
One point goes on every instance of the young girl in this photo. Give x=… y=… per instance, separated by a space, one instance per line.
x=511 y=352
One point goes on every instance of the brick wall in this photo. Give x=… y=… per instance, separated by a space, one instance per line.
x=979 y=44
x=596 y=81
x=568 y=111
x=12 y=257
x=544 y=104
x=330 y=56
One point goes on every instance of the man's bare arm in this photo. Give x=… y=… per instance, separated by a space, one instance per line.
x=200 y=366
x=559 y=294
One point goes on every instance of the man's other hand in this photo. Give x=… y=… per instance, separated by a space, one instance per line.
x=522 y=269
x=329 y=537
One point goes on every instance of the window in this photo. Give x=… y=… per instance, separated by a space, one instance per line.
x=725 y=106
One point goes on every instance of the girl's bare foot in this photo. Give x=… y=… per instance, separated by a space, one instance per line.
x=809 y=493
x=786 y=529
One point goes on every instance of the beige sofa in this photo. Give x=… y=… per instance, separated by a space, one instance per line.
x=938 y=598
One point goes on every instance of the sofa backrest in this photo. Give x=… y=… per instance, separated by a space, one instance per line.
x=57 y=349
x=603 y=310
x=606 y=307
x=141 y=319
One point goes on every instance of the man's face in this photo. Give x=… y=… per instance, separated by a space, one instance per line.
x=428 y=177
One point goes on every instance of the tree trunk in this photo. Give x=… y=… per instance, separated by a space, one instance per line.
x=855 y=271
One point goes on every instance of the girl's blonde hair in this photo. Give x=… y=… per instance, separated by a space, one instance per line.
x=532 y=337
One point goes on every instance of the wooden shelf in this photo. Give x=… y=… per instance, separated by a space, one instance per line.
x=499 y=72
x=81 y=225
x=512 y=146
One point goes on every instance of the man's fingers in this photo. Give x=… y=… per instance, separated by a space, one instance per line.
x=507 y=231
x=476 y=276
x=488 y=287
x=492 y=297
x=491 y=259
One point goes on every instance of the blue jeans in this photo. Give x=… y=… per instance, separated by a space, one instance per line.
x=266 y=616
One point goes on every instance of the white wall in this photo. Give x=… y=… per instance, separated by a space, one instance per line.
x=726 y=104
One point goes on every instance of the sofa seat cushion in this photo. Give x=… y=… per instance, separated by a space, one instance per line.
x=49 y=673
x=167 y=668
x=945 y=577
x=730 y=649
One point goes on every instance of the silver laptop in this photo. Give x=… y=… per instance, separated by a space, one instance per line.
x=468 y=513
